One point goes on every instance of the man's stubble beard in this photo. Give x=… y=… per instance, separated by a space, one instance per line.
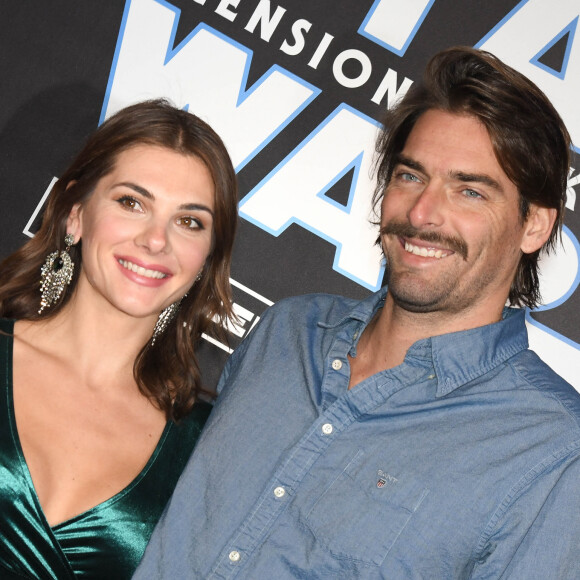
x=408 y=295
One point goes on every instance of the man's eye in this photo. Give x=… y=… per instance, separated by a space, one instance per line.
x=471 y=193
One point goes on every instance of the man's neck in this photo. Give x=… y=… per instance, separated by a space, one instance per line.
x=393 y=330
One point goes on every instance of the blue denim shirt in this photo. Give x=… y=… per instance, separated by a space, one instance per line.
x=462 y=462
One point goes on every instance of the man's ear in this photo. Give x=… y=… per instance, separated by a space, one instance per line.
x=538 y=227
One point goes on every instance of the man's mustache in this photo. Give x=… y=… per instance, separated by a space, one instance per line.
x=406 y=230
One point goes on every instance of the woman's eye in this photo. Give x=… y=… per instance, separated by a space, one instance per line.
x=189 y=223
x=129 y=202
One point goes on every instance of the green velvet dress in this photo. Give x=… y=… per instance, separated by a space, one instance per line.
x=106 y=541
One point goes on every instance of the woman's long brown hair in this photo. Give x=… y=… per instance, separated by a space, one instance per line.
x=167 y=372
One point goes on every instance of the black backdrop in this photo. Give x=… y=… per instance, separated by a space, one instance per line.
x=296 y=90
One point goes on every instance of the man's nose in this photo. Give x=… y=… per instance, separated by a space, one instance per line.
x=428 y=207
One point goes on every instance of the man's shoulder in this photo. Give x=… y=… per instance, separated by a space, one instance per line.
x=328 y=308
x=540 y=377
x=292 y=319
x=288 y=328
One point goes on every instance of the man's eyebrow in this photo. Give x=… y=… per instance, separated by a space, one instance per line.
x=147 y=194
x=477 y=178
x=401 y=159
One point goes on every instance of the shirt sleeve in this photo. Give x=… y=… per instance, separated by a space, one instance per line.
x=231 y=364
x=225 y=374
x=237 y=356
x=538 y=534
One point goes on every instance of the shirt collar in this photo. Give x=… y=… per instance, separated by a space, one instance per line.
x=457 y=357
x=461 y=357
x=363 y=310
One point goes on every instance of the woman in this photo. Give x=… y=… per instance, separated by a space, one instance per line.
x=99 y=405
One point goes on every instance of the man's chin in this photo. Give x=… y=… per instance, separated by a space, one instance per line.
x=417 y=306
x=417 y=300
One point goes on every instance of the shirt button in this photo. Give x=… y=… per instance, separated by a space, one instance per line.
x=336 y=364
x=234 y=556
x=279 y=492
x=327 y=428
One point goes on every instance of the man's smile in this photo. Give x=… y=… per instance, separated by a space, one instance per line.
x=425 y=251
x=447 y=245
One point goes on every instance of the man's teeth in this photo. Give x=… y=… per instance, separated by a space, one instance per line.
x=425 y=252
x=142 y=271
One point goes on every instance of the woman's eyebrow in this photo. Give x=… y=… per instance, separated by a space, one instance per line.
x=147 y=194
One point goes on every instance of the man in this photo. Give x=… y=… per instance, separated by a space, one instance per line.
x=413 y=434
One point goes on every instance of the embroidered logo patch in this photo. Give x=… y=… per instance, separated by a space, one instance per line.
x=385 y=479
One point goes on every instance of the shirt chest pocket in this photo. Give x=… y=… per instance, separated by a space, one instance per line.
x=360 y=515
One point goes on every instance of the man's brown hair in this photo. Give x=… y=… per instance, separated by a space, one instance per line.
x=528 y=137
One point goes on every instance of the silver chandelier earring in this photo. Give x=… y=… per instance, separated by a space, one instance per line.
x=56 y=274
x=168 y=314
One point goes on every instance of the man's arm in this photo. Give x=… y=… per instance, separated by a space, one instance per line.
x=538 y=535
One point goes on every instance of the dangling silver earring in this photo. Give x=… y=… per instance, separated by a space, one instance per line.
x=168 y=314
x=55 y=274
